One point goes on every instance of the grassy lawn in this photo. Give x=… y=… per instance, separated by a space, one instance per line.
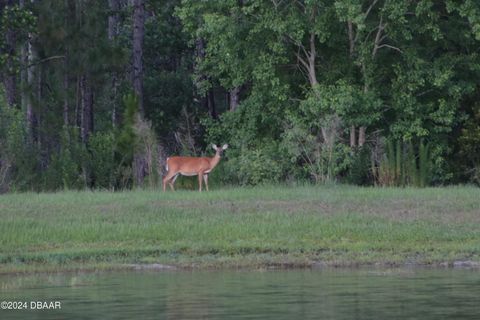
x=240 y=227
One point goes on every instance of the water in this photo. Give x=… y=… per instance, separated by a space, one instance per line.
x=298 y=294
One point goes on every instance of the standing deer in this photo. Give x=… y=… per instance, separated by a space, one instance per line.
x=192 y=166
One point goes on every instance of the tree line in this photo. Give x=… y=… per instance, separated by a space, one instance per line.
x=96 y=94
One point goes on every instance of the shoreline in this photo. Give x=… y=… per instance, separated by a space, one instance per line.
x=31 y=269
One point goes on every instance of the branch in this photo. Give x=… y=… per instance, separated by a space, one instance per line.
x=351 y=38
x=302 y=61
x=377 y=37
x=43 y=60
x=34 y=64
x=366 y=15
x=313 y=51
x=370 y=8
x=389 y=46
x=301 y=5
x=424 y=92
x=298 y=44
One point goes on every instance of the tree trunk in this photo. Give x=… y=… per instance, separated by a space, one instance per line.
x=351 y=39
x=208 y=100
x=86 y=120
x=138 y=35
x=113 y=26
x=312 y=74
x=23 y=72
x=362 y=130
x=66 y=121
x=113 y=19
x=361 y=136
x=351 y=43
x=9 y=77
x=212 y=110
x=353 y=138
x=24 y=77
x=234 y=98
x=86 y=113
x=31 y=73
x=37 y=78
x=78 y=103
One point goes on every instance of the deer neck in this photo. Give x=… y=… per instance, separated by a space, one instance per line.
x=214 y=161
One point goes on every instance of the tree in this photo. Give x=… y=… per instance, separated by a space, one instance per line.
x=138 y=36
x=113 y=33
x=8 y=10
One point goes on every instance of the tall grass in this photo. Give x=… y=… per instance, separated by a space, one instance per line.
x=403 y=164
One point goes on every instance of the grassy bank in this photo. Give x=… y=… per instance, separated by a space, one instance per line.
x=252 y=227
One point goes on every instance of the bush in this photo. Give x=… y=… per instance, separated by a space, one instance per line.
x=17 y=157
x=102 y=159
x=65 y=170
x=469 y=150
x=253 y=131
x=359 y=172
x=146 y=154
x=316 y=151
x=137 y=150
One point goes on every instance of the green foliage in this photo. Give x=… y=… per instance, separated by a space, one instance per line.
x=146 y=154
x=126 y=135
x=136 y=149
x=102 y=146
x=19 y=21
x=17 y=158
x=262 y=165
x=250 y=161
x=66 y=167
x=315 y=150
x=469 y=149
x=424 y=164
x=469 y=9
x=167 y=94
x=349 y=102
x=399 y=70
x=168 y=82
x=359 y=171
x=253 y=132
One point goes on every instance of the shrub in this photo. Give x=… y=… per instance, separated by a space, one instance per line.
x=101 y=146
x=65 y=169
x=316 y=150
x=359 y=171
x=17 y=156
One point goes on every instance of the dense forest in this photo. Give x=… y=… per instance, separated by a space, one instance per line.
x=96 y=94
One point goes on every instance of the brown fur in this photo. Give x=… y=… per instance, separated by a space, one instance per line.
x=191 y=166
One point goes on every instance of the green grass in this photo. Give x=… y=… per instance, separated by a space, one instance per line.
x=240 y=227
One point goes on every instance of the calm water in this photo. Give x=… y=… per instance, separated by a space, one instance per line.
x=305 y=294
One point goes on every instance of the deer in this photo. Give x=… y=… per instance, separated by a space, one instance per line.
x=192 y=166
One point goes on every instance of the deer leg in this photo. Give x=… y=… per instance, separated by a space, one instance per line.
x=172 y=181
x=166 y=179
x=200 y=175
x=205 y=178
x=164 y=182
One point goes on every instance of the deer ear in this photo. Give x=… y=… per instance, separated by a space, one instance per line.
x=214 y=146
x=225 y=146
